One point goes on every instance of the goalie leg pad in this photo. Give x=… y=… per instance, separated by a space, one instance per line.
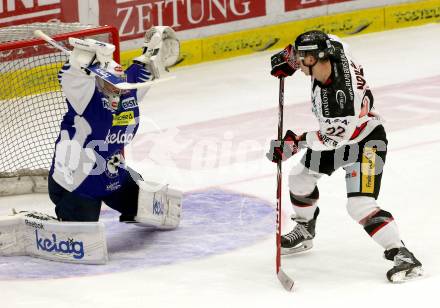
x=159 y=208
x=42 y=236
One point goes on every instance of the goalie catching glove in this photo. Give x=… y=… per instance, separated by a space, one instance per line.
x=161 y=50
x=284 y=63
x=281 y=150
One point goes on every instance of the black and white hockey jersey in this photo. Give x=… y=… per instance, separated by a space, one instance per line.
x=343 y=105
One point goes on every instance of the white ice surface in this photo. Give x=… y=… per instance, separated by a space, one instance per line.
x=345 y=268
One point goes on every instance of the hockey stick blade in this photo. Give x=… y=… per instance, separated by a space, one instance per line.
x=120 y=83
x=131 y=86
x=285 y=280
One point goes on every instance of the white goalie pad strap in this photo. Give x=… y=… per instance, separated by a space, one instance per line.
x=159 y=209
x=42 y=236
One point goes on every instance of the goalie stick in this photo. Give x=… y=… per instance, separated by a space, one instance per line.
x=285 y=280
x=101 y=73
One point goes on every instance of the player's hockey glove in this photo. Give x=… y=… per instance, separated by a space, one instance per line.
x=283 y=63
x=285 y=148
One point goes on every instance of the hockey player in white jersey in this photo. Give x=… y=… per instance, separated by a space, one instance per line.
x=88 y=166
x=350 y=136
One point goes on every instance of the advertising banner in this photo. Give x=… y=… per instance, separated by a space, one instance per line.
x=412 y=14
x=28 y=11
x=291 y=5
x=134 y=17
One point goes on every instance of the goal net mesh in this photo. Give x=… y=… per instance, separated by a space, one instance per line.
x=31 y=101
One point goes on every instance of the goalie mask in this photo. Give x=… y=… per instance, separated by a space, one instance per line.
x=112 y=93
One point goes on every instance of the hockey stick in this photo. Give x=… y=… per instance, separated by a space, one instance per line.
x=94 y=68
x=51 y=41
x=285 y=280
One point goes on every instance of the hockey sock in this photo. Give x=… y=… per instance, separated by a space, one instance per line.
x=305 y=206
x=383 y=229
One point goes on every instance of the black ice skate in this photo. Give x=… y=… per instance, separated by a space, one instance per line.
x=406 y=266
x=300 y=238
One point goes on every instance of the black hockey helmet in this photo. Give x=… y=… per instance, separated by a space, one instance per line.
x=313 y=42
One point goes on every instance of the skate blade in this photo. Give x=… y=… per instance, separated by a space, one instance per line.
x=408 y=275
x=306 y=245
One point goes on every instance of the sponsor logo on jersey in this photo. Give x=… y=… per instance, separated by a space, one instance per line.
x=129 y=103
x=347 y=75
x=352 y=174
x=124 y=119
x=113 y=186
x=119 y=138
x=341 y=98
x=113 y=164
x=106 y=104
x=368 y=169
x=325 y=106
x=69 y=246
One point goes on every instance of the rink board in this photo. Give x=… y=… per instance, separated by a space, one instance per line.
x=278 y=36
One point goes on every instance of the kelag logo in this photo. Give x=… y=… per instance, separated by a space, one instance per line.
x=67 y=247
x=157 y=207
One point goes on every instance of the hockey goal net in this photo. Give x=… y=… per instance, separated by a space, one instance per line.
x=31 y=102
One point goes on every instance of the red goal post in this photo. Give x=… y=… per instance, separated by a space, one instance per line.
x=31 y=101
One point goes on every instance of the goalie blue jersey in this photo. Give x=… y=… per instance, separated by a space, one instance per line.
x=89 y=151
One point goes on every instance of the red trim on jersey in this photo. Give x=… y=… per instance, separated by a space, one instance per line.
x=358 y=130
x=303 y=205
x=381 y=226
x=318 y=134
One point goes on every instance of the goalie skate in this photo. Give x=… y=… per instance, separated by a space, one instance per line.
x=406 y=266
x=301 y=237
